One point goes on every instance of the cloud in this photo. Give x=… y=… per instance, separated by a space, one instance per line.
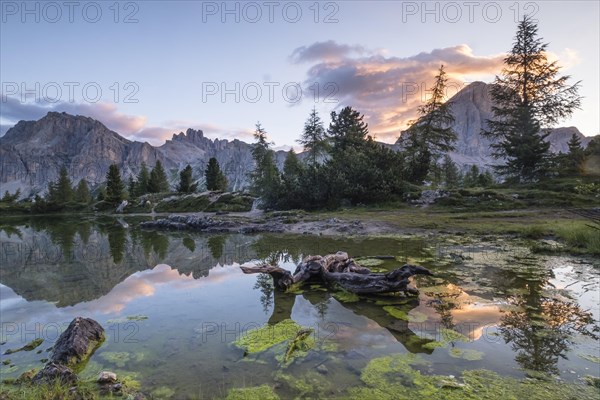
x=319 y=51
x=388 y=90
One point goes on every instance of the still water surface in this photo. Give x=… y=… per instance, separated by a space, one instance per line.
x=173 y=304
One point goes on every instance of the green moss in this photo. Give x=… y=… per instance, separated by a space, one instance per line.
x=310 y=385
x=396 y=312
x=589 y=357
x=345 y=297
x=449 y=335
x=416 y=316
x=163 y=392
x=369 y=262
x=299 y=345
x=119 y=358
x=136 y=317
x=434 y=345
x=261 y=339
x=466 y=354
x=263 y=392
x=394 y=377
x=28 y=347
x=52 y=391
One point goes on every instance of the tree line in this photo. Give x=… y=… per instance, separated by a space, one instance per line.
x=343 y=164
x=62 y=194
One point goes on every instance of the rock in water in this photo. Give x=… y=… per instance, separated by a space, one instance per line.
x=78 y=342
x=55 y=371
x=107 y=377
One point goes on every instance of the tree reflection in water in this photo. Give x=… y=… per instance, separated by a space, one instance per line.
x=541 y=329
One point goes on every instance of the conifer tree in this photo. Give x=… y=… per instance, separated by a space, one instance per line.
x=158 y=182
x=143 y=178
x=314 y=139
x=114 y=186
x=266 y=181
x=430 y=135
x=186 y=181
x=215 y=179
x=528 y=98
x=82 y=192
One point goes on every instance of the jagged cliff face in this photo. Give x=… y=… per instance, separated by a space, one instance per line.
x=32 y=153
x=472 y=107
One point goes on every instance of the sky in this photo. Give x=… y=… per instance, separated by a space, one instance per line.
x=151 y=69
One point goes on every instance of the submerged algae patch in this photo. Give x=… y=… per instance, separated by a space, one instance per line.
x=394 y=377
x=345 y=297
x=466 y=354
x=263 y=392
x=261 y=339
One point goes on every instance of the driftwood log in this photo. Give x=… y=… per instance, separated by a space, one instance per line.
x=342 y=270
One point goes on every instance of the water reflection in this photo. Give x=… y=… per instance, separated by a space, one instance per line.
x=102 y=268
x=542 y=330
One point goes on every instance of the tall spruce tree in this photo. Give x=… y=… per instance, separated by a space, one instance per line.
x=293 y=193
x=266 y=180
x=576 y=156
x=143 y=178
x=314 y=139
x=347 y=130
x=158 y=182
x=430 y=135
x=82 y=193
x=115 y=189
x=215 y=179
x=528 y=98
x=61 y=191
x=186 y=181
x=451 y=172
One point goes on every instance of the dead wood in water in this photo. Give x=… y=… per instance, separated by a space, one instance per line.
x=342 y=270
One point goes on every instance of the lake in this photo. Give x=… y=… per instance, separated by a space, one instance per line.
x=175 y=306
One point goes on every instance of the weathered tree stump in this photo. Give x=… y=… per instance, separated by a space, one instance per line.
x=342 y=270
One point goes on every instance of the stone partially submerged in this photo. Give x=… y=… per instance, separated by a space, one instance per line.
x=341 y=270
x=74 y=346
x=78 y=342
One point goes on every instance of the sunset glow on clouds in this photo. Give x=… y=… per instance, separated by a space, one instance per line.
x=388 y=90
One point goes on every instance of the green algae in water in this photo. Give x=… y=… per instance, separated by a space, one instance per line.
x=261 y=339
x=136 y=317
x=416 y=316
x=394 y=377
x=118 y=358
x=163 y=392
x=411 y=316
x=589 y=357
x=434 y=345
x=369 y=262
x=450 y=335
x=466 y=354
x=345 y=297
x=28 y=347
x=310 y=385
x=396 y=312
x=263 y=392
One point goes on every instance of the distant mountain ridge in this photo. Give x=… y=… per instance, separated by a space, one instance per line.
x=32 y=152
x=471 y=108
